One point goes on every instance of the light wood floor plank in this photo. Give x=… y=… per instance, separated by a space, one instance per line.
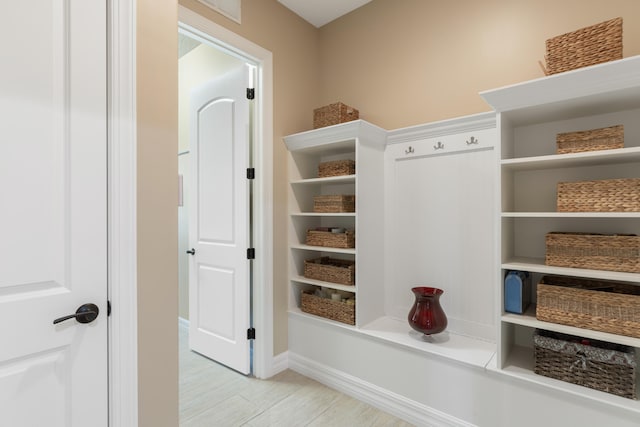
x=212 y=395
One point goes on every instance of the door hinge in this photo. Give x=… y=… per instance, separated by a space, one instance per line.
x=251 y=253
x=251 y=93
x=251 y=334
x=251 y=173
x=108 y=308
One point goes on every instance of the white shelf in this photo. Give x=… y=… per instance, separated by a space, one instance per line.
x=295 y=311
x=520 y=365
x=301 y=279
x=602 y=88
x=571 y=214
x=529 y=320
x=591 y=158
x=324 y=249
x=537 y=265
x=449 y=345
x=344 y=179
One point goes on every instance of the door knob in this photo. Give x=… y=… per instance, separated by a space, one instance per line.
x=191 y=251
x=86 y=313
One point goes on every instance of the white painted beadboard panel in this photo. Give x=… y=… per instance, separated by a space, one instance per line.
x=441 y=233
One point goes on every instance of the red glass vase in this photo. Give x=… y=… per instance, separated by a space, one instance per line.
x=426 y=315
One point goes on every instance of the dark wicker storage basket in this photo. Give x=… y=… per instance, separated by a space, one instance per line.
x=332 y=270
x=331 y=240
x=587 y=46
x=595 y=364
x=599 y=305
x=334 y=203
x=328 y=308
x=611 y=252
x=590 y=140
x=336 y=168
x=608 y=195
x=334 y=114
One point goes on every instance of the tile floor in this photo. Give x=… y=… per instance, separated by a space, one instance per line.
x=212 y=395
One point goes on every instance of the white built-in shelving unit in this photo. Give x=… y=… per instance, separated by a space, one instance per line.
x=530 y=115
x=364 y=143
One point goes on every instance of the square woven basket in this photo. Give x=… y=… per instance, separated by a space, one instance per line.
x=331 y=240
x=336 y=168
x=328 y=308
x=587 y=46
x=334 y=203
x=590 y=363
x=608 y=195
x=611 y=252
x=598 y=305
x=332 y=270
x=334 y=114
x=590 y=140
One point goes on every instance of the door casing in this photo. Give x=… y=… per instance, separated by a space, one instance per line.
x=123 y=340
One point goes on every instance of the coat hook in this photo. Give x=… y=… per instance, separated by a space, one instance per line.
x=440 y=146
x=472 y=141
x=408 y=150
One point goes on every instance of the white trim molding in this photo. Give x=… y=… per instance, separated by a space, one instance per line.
x=123 y=337
x=388 y=401
x=203 y=28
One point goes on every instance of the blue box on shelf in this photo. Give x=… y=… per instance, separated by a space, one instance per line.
x=517 y=291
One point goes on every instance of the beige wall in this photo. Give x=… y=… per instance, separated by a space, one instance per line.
x=408 y=62
x=157 y=115
x=294 y=44
x=399 y=62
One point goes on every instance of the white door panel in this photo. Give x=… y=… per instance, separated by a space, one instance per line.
x=53 y=217
x=219 y=283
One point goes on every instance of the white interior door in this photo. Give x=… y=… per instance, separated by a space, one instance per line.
x=219 y=271
x=53 y=217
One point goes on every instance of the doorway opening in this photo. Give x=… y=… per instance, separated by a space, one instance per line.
x=207 y=51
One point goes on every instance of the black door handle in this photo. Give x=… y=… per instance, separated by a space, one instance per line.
x=86 y=313
x=191 y=251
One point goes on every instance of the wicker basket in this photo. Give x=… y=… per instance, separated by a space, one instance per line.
x=587 y=46
x=336 y=168
x=595 y=364
x=334 y=203
x=332 y=270
x=331 y=240
x=611 y=252
x=590 y=140
x=328 y=308
x=334 y=114
x=599 y=305
x=609 y=195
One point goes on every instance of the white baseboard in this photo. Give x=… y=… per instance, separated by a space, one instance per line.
x=183 y=322
x=279 y=363
x=393 y=403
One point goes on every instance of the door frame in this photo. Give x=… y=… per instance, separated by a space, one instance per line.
x=122 y=199
x=262 y=147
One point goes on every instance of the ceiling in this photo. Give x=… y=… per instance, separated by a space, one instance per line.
x=320 y=12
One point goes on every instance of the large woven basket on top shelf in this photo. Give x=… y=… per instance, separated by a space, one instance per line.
x=607 y=195
x=599 y=305
x=590 y=140
x=328 y=308
x=595 y=364
x=611 y=252
x=587 y=46
x=334 y=114
x=332 y=270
